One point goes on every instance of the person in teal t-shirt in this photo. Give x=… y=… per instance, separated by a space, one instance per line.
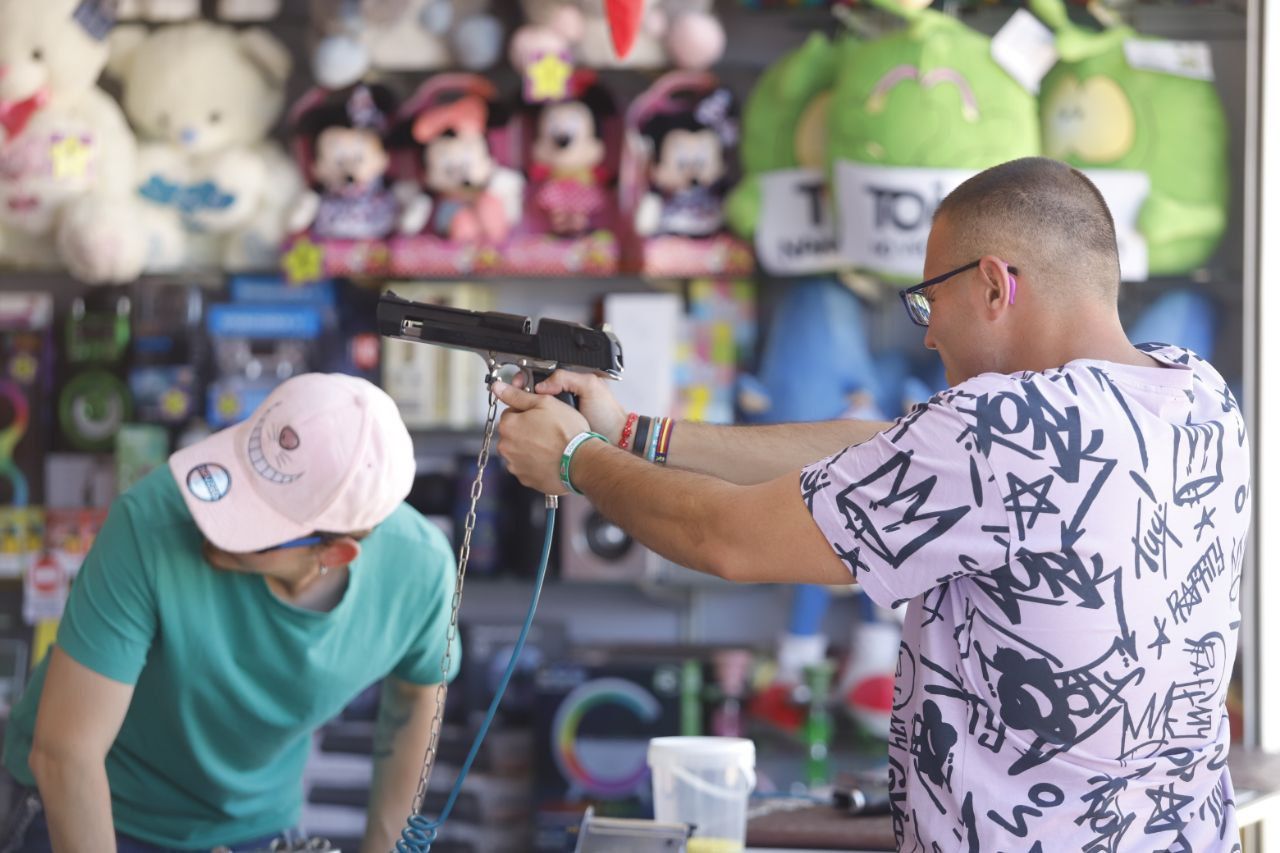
x=233 y=602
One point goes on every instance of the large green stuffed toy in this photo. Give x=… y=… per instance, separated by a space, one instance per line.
x=1098 y=111
x=928 y=95
x=784 y=125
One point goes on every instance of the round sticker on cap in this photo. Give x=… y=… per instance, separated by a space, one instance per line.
x=209 y=482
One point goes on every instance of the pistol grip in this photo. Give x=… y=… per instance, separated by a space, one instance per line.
x=535 y=376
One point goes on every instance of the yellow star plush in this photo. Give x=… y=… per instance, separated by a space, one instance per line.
x=548 y=78
x=70 y=157
x=304 y=262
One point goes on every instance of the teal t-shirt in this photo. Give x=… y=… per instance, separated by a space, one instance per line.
x=229 y=680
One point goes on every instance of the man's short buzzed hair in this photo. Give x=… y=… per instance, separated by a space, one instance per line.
x=1042 y=216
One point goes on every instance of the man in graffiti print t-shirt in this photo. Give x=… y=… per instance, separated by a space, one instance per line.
x=1068 y=542
x=1065 y=525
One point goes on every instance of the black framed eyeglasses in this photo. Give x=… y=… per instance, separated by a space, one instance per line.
x=917 y=303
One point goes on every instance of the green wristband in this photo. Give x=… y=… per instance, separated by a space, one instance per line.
x=567 y=459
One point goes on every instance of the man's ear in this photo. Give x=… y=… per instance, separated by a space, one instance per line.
x=995 y=283
x=340 y=552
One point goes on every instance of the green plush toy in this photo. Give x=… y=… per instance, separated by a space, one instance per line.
x=784 y=125
x=928 y=95
x=1098 y=111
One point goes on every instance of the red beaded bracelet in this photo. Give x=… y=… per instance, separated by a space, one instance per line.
x=626 y=430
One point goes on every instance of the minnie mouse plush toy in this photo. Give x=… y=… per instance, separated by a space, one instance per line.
x=346 y=138
x=690 y=168
x=465 y=204
x=568 y=156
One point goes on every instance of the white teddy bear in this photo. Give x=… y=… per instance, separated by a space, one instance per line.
x=359 y=36
x=67 y=156
x=204 y=98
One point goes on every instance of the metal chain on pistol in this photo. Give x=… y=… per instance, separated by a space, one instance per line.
x=464 y=554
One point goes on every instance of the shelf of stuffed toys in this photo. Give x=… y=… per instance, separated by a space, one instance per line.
x=454 y=182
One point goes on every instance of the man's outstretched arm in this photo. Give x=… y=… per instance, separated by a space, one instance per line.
x=760 y=533
x=739 y=454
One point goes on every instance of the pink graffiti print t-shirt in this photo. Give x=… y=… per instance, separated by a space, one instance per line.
x=1069 y=547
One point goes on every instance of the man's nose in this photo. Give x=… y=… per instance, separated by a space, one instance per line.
x=929 y=342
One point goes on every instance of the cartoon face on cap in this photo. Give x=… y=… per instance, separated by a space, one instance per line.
x=273 y=448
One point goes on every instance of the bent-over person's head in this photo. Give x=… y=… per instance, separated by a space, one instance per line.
x=1032 y=248
x=325 y=456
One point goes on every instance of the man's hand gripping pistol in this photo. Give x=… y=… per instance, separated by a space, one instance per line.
x=504 y=339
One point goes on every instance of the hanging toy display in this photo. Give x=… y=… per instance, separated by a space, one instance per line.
x=921 y=109
x=1120 y=101
x=355 y=37
x=464 y=199
x=340 y=224
x=621 y=33
x=214 y=185
x=350 y=197
x=569 y=145
x=783 y=200
x=67 y=156
x=680 y=162
x=568 y=157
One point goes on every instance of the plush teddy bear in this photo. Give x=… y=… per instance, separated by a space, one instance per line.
x=680 y=33
x=67 y=156
x=357 y=36
x=216 y=188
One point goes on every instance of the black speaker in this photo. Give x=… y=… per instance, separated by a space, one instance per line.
x=593 y=548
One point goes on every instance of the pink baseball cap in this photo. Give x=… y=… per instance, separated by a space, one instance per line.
x=324 y=452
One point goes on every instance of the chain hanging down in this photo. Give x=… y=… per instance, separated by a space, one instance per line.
x=464 y=554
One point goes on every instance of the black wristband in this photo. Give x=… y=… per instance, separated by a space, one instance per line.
x=640 y=441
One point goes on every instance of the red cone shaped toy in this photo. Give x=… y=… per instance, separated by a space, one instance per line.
x=624 y=23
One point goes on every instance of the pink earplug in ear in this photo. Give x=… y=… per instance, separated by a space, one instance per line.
x=1013 y=288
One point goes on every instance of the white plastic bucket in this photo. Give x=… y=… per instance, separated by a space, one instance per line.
x=705 y=782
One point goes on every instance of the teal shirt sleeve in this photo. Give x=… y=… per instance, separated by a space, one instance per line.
x=111 y=615
x=422 y=662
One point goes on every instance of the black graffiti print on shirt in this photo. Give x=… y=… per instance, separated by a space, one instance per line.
x=1197 y=461
x=932 y=743
x=1001 y=420
x=890 y=516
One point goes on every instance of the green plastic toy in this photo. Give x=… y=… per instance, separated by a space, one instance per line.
x=1097 y=111
x=928 y=95
x=784 y=125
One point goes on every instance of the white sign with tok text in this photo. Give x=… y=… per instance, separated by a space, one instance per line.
x=796 y=234
x=885 y=213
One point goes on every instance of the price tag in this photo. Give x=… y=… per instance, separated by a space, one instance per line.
x=886 y=213
x=1183 y=58
x=796 y=234
x=1026 y=49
